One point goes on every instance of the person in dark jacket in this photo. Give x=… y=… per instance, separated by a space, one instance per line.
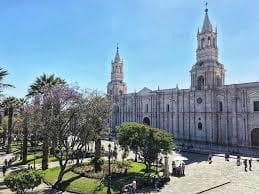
x=250 y=164
x=4 y=170
x=245 y=164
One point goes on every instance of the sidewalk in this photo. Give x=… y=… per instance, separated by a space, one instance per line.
x=42 y=188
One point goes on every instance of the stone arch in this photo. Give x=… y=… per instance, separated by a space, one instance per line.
x=255 y=137
x=200 y=83
x=146 y=121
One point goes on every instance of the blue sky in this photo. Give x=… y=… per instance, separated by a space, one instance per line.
x=76 y=40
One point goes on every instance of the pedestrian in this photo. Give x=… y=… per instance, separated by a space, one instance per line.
x=134 y=186
x=238 y=160
x=210 y=158
x=129 y=189
x=245 y=164
x=183 y=167
x=173 y=168
x=10 y=162
x=5 y=162
x=4 y=170
x=250 y=164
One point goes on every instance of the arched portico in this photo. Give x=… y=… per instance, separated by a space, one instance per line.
x=146 y=121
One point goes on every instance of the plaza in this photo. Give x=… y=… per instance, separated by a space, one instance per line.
x=219 y=177
x=171 y=118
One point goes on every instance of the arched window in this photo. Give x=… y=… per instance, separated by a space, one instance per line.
x=200 y=83
x=167 y=108
x=200 y=126
x=120 y=92
x=209 y=41
x=202 y=43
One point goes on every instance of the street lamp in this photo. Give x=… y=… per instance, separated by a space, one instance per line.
x=109 y=167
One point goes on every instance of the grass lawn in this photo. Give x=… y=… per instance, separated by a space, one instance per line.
x=38 y=156
x=75 y=183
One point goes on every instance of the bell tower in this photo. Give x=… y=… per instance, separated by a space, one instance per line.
x=207 y=72
x=116 y=87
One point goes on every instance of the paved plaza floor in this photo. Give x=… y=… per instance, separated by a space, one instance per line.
x=200 y=176
x=219 y=177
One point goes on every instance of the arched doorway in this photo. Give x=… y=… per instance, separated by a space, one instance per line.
x=146 y=121
x=255 y=137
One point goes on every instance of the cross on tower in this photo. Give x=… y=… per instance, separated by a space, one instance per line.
x=206 y=6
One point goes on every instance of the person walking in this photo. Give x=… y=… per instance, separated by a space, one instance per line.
x=5 y=162
x=183 y=167
x=245 y=164
x=130 y=189
x=250 y=164
x=173 y=168
x=4 y=170
x=238 y=160
x=134 y=186
x=210 y=158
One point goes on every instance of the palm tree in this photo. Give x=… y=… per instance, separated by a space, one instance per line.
x=24 y=115
x=41 y=82
x=10 y=103
x=37 y=88
x=3 y=74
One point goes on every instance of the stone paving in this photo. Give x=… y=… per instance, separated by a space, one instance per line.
x=200 y=177
x=219 y=177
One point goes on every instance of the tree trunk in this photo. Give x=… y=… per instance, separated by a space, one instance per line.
x=10 y=125
x=25 y=140
x=98 y=145
x=136 y=156
x=45 y=153
x=4 y=137
x=60 y=177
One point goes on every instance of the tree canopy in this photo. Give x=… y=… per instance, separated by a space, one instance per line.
x=145 y=140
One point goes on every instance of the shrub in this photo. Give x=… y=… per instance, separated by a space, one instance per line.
x=23 y=180
x=100 y=161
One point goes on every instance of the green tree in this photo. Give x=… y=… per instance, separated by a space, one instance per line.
x=99 y=109
x=21 y=181
x=38 y=87
x=68 y=129
x=24 y=115
x=3 y=74
x=131 y=136
x=148 y=141
x=10 y=104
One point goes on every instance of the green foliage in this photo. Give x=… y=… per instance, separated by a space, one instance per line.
x=145 y=140
x=73 y=182
x=95 y=161
x=21 y=181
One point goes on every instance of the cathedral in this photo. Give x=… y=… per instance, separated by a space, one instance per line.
x=208 y=112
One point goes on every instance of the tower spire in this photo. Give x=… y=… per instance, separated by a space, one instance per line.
x=117 y=56
x=206 y=27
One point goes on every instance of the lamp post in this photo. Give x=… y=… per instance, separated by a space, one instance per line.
x=109 y=168
x=34 y=150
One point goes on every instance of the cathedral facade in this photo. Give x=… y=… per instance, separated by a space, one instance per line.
x=209 y=111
